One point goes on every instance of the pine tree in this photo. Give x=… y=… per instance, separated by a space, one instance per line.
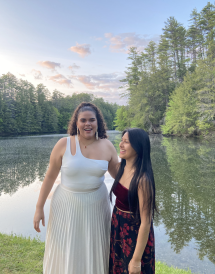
x=206 y=95
x=132 y=78
x=195 y=39
x=165 y=69
x=208 y=26
x=175 y=33
x=8 y=83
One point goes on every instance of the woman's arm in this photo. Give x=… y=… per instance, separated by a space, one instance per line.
x=51 y=175
x=143 y=234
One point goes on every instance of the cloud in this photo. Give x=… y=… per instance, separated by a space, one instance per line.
x=102 y=94
x=104 y=85
x=49 y=64
x=108 y=35
x=73 y=67
x=81 y=49
x=37 y=74
x=112 y=97
x=107 y=82
x=23 y=75
x=122 y=42
x=60 y=79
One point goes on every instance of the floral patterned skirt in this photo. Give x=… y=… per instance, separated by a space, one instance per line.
x=124 y=232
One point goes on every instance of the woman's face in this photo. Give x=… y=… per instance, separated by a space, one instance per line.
x=126 y=150
x=87 y=124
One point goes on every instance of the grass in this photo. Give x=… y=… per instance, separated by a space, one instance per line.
x=162 y=268
x=19 y=255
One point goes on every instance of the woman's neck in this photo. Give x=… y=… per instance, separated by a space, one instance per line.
x=86 y=142
x=129 y=164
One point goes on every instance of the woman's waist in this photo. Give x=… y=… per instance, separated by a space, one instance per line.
x=81 y=188
x=82 y=183
x=122 y=205
x=81 y=177
x=67 y=196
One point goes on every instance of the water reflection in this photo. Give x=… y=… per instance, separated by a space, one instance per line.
x=23 y=160
x=184 y=175
x=185 y=193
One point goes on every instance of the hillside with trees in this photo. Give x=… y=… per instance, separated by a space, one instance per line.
x=171 y=84
x=25 y=109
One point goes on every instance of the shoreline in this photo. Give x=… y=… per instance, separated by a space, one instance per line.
x=208 y=137
x=42 y=134
x=23 y=255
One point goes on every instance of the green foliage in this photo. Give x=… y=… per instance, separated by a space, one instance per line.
x=108 y=110
x=121 y=119
x=172 y=82
x=25 y=109
x=191 y=108
x=175 y=34
x=206 y=95
x=182 y=114
x=149 y=89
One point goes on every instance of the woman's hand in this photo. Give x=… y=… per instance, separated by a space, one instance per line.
x=134 y=267
x=39 y=215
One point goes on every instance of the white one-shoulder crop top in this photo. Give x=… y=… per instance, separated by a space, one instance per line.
x=81 y=174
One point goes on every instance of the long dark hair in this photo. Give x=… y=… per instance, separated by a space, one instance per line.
x=143 y=177
x=85 y=106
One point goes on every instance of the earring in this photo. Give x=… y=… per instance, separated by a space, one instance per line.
x=97 y=134
x=77 y=130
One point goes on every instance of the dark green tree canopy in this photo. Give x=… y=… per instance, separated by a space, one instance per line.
x=25 y=109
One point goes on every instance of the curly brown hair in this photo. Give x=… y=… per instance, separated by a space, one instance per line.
x=72 y=127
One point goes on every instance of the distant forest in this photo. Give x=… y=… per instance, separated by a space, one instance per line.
x=171 y=84
x=25 y=109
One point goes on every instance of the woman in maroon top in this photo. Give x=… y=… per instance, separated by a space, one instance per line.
x=132 y=236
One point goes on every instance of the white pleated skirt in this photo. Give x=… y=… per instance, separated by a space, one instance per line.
x=78 y=232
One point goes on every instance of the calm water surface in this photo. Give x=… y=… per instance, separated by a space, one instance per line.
x=185 y=184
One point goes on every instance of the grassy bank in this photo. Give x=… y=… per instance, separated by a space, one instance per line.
x=19 y=255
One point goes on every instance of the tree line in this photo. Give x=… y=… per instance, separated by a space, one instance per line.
x=25 y=109
x=170 y=86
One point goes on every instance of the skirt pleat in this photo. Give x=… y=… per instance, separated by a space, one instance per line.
x=78 y=232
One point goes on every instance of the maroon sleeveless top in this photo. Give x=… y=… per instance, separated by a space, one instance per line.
x=121 y=194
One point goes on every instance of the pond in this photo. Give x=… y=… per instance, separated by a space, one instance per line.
x=184 y=172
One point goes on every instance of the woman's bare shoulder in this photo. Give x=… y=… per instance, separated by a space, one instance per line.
x=110 y=150
x=109 y=147
x=107 y=143
x=61 y=142
x=60 y=146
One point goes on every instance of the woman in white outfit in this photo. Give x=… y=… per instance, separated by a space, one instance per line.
x=78 y=232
